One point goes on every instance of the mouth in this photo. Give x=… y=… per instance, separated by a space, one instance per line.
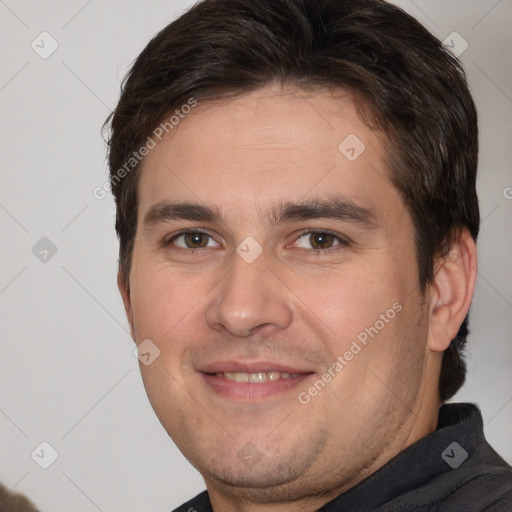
x=258 y=377
x=252 y=382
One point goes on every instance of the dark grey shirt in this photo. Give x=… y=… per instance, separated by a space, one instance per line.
x=453 y=469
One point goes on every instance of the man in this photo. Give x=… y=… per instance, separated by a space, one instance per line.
x=297 y=214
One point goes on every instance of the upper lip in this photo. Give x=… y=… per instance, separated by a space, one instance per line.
x=250 y=367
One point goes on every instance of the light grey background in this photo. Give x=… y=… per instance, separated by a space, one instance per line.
x=68 y=375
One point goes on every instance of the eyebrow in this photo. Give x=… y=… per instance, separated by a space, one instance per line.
x=341 y=209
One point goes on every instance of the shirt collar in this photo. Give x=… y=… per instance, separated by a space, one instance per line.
x=428 y=458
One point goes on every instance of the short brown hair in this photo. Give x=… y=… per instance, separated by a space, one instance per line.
x=406 y=84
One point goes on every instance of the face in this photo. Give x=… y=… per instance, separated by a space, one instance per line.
x=274 y=269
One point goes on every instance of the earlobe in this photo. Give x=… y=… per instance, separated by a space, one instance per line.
x=125 y=294
x=451 y=292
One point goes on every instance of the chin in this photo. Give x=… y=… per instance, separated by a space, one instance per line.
x=250 y=468
x=267 y=484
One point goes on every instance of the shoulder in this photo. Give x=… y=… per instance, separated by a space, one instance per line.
x=488 y=490
x=483 y=486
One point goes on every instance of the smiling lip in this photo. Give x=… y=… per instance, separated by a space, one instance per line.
x=252 y=381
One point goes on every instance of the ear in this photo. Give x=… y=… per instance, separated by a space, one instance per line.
x=125 y=294
x=451 y=292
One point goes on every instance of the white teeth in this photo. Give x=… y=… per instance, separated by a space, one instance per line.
x=237 y=377
x=257 y=378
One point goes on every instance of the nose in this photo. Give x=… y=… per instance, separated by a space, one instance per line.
x=249 y=298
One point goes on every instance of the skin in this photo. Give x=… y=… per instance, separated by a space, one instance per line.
x=300 y=303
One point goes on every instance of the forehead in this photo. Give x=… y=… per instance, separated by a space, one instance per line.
x=269 y=146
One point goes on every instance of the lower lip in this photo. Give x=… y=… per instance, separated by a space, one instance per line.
x=253 y=391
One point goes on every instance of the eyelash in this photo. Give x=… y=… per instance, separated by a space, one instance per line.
x=167 y=243
x=343 y=241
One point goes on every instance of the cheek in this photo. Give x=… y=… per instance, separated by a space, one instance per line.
x=363 y=308
x=162 y=299
x=345 y=300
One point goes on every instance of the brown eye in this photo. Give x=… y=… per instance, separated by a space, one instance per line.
x=196 y=240
x=321 y=240
x=192 y=240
